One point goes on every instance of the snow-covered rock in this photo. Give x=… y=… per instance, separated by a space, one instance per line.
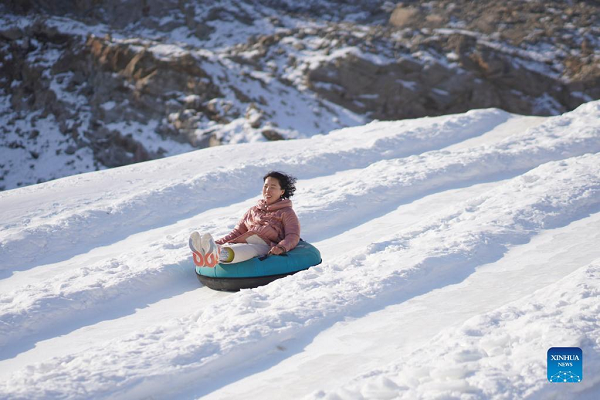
x=93 y=85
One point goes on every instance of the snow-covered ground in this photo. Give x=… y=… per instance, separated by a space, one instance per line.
x=456 y=251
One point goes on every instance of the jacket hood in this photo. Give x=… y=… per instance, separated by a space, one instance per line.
x=262 y=204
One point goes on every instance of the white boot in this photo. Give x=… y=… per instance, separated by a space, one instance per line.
x=211 y=250
x=195 y=244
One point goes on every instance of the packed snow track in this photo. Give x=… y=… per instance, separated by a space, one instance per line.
x=456 y=251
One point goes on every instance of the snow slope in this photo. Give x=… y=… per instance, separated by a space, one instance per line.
x=456 y=251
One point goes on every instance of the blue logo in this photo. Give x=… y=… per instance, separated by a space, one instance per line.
x=565 y=364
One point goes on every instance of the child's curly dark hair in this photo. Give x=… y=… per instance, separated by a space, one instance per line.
x=287 y=182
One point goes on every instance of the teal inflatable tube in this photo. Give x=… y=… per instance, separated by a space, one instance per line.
x=259 y=271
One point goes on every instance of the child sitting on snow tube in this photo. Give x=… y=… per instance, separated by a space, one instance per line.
x=270 y=227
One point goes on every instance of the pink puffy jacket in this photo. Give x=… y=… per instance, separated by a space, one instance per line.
x=276 y=224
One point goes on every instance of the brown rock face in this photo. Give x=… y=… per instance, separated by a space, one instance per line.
x=407 y=90
x=485 y=56
x=149 y=78
x=167 y=71
x=405 y=16
x=142 y=87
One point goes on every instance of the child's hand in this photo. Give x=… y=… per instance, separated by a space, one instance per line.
x=277 y=250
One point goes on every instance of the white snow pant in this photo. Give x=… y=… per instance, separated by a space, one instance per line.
x=254 y=247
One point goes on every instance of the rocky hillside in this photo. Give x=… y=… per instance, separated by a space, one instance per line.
x=93 y=84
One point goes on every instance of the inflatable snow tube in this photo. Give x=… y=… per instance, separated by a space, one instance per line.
x=259 y=271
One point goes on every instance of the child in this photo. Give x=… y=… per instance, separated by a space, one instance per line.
x=270 y=227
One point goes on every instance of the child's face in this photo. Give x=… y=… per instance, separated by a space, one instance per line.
x=272 y=190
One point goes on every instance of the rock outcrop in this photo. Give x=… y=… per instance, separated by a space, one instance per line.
x=106 y=83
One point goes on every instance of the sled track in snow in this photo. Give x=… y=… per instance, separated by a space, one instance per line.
x=152 y=203
x=374 y=180
x=332 y=205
